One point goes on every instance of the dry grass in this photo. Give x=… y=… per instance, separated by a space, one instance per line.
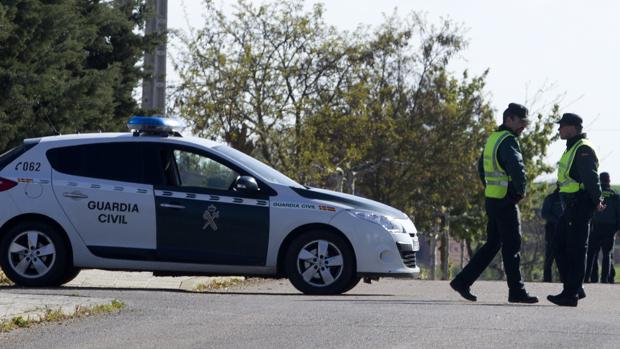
x=4 y=281
x=219 y=284
x=52 y=315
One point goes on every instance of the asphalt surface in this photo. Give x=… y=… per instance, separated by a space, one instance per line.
x=387 y=314
x=15 y=303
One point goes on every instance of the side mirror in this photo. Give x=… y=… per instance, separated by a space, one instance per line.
x=246 y=184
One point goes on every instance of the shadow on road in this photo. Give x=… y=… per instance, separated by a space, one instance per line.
x=90 y=288
x=173 y=290
x=428 y=302
x=353 y=298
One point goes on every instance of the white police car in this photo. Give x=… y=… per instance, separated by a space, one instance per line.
x=153 y=200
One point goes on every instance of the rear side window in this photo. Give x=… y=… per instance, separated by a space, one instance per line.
x=14 y=153
x=111 y=161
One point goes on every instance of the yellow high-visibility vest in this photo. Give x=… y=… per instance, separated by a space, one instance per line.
x=495 y=176
x=567 y=184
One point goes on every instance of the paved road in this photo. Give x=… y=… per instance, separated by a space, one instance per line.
x=16 y=303
x=388 y=314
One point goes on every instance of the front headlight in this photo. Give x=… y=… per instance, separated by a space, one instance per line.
x=388 y=223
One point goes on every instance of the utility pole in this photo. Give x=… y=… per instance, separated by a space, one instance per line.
x=154 y=87
x=433 y=249
x=445 y=244
x=435 y=237
x=462 y=253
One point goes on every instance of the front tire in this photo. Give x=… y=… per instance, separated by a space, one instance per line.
x=320 y=262
x=352 y=284
x=34 y=254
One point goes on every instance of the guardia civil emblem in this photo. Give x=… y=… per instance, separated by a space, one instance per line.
x=210 y=215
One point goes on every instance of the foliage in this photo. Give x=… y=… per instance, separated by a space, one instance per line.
x=535 y=143
x=254 y=79
x=68 y=66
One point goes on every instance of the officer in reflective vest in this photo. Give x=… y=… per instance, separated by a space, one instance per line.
x=503 y=176
x=580 y=193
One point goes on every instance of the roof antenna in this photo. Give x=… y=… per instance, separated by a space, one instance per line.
x=51 y=124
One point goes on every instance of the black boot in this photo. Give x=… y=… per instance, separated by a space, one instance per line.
x=563 y=300
x=521 y=296
x=463 y=290
x=581 y=294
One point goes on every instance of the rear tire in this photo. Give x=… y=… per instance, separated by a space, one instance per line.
x=34 y=254
x=321 y=262
x=70 y=274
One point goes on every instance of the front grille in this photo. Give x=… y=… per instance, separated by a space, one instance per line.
x=407 y=254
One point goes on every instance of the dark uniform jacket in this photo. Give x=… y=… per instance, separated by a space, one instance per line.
x=552 y=207
x=585 y=169
x=510 y=159
x=610 y=215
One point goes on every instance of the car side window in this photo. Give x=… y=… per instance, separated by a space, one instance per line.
x=111 y=161
x=188 y=169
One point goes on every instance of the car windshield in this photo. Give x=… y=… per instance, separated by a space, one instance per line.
x=266 y=172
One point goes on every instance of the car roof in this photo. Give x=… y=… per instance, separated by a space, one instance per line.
x=119 y=137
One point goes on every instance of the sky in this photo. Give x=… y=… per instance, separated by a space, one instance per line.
x=569 y=49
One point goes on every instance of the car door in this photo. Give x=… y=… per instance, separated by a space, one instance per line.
x=101 y=189
x=200 y=218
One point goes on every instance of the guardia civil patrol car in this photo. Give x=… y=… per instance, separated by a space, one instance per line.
x=153 y=200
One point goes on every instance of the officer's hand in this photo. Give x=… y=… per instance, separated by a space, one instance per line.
x=601 y=207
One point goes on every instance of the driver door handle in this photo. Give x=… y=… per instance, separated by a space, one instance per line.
x=178 y=207
x=75 y=195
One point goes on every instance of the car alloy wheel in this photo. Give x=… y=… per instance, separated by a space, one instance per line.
x=31 y=254
x=320 y=263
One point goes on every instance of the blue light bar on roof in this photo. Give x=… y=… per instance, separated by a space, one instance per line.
x=153 y=124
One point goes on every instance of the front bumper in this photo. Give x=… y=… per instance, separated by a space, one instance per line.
x=379 y=253
x=408 y=256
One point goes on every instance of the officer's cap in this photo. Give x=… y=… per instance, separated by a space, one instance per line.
x=605 y=177
x=570 y=119
x=516 y=109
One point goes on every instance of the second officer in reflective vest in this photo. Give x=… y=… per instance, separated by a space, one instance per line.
x=503 y=175
x=580 y=193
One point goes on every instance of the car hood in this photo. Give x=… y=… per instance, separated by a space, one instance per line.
x=353 y=201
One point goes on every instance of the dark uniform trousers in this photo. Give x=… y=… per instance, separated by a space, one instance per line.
x=602 y=237
x=571 y=243
x=503 y=231
x=550 y=228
